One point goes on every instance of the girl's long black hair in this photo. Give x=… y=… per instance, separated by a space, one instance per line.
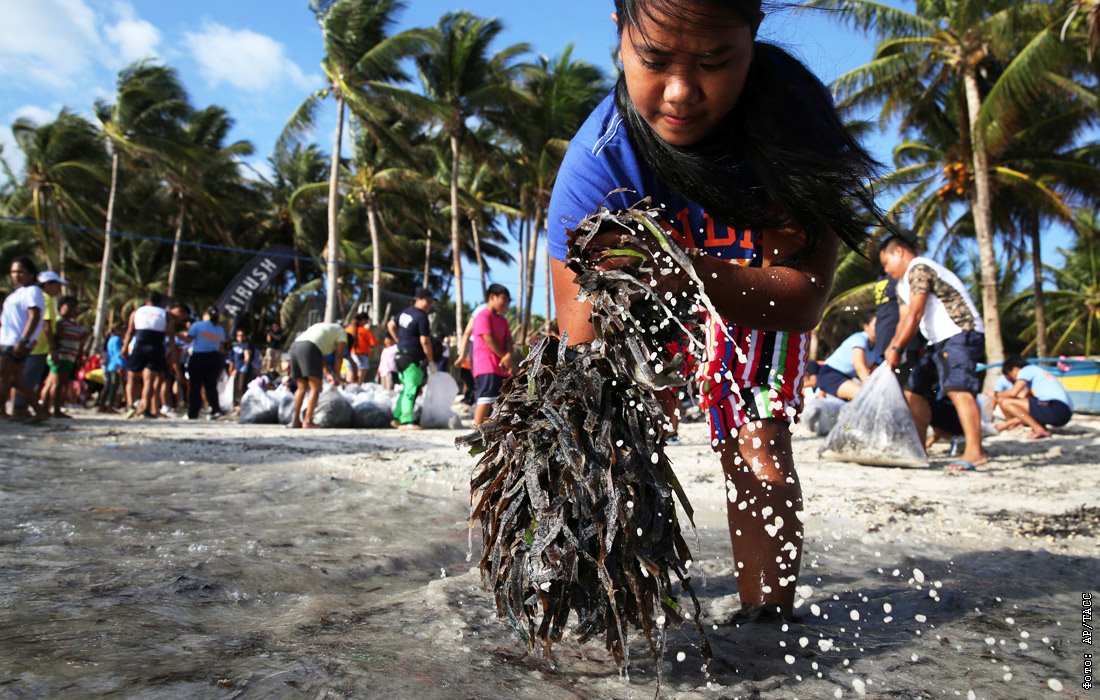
x=782 y=156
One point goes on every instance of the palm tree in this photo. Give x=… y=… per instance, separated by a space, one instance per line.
x=142 y=122
x=380 y=171
x=358 y=54
x=484 y=193
x=462 y=80
x=957 y=42
x=1083 y=16
x=1036 y=175
x=207 y=169
x=294 y=217
x=1074 y=305
x=64 y=170
x=564 y=92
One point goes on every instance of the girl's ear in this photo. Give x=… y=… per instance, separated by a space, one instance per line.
x=615 y=18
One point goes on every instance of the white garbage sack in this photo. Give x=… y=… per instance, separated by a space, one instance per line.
x=435 y=404
x=876 y=427
x=819 y=414
x=259 y=406
x=225 y=393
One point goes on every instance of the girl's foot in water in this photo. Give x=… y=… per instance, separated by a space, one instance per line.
x=766 y=614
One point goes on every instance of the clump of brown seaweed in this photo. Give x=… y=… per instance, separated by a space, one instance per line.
x=572 y=486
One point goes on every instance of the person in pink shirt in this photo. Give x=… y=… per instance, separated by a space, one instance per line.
x=492 y=351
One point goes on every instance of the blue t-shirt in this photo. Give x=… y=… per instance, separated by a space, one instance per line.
x=841 y=359
x=237 y=356
x=114 y=353
x=600 y=159
x=1043 y=385
x=207 y=336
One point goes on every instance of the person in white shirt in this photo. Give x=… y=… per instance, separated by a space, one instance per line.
x=20 y=324
x=937 y=301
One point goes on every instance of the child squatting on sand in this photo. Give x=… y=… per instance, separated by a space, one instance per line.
x=741 y=147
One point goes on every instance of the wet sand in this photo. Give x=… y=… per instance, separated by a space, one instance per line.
x=193 y=559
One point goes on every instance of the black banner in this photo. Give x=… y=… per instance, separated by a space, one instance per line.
x=255 y=276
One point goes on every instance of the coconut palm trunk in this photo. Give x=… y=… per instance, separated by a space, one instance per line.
x=532 y=261
x=480 y=260
x=522 y=272
x=105 y=265
x=427 y=255
x=456 y=246
x=174 y=265
x=376 y=264
x=332 y=268
x=39 y=202
x=1040 y=305
x=982 y=212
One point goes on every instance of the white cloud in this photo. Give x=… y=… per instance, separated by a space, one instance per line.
x=60 y=44
x=51 y=42
x=36 y=114
x=243 y=59
x=134 y=38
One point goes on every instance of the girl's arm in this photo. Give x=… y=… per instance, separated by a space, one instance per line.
x=770 y=298
x=774 y=297
x=573 y=316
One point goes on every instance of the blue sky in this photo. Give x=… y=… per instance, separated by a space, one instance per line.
x=260 y=59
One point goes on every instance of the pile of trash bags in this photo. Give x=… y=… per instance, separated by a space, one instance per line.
x=354 y=406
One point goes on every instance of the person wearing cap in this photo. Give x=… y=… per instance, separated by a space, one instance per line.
x=309 y=364
x=205 y=366
x=20 y=325
x=412 y=331
x=36 y=369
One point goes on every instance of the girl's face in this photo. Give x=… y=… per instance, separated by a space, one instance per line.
x=685 y=75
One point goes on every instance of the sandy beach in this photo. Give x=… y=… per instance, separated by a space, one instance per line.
x=171 y=559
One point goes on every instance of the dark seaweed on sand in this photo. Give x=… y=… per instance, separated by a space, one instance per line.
x=572 y=487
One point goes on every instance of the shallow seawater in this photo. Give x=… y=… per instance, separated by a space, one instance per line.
x=187 y=561
x=177 y=577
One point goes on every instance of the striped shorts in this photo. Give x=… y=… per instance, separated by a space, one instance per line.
x=747 y=376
